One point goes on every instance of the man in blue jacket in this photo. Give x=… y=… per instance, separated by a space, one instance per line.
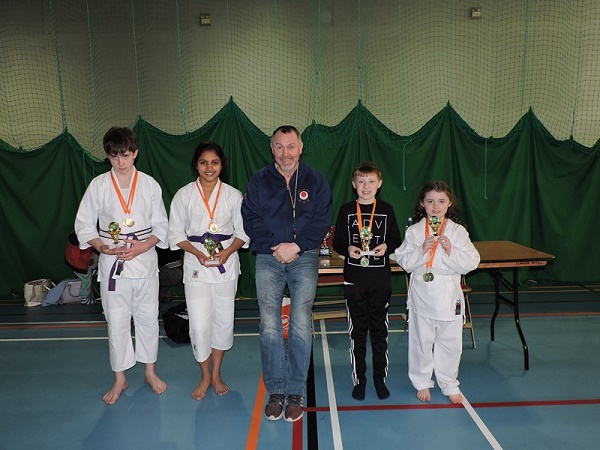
x=287 y=213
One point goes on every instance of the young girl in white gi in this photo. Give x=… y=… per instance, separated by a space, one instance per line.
x=436 y=251
x=206 y=222
x=123 y=217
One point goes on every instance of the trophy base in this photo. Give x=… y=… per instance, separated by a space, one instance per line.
x=213 y=262
x=367 y=253
x=324 y=252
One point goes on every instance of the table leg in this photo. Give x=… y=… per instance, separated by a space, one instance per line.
x=514 y=303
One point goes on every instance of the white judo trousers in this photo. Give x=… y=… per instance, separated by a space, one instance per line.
x=137 y=299
x=434 y=346
x=211 y=312
x=136 y=288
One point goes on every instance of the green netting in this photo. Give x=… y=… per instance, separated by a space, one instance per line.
x=86 y=65
x=505 y=108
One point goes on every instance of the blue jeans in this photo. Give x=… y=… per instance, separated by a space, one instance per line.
x=285 y=363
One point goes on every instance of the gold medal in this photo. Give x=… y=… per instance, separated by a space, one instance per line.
x=127 y=221
x=364 y=261
x=212 y=227
x=427 y=277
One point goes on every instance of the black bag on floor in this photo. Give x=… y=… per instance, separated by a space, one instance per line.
x=177 y=324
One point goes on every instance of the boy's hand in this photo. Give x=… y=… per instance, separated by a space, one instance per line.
x=133 y=248
x=354 y=252
x=380 y=249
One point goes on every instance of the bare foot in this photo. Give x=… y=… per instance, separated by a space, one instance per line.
x=220 y=387
x=111 y=397
x=424 y=395
x=456 y=398
x=200 y=392
x=157 y=385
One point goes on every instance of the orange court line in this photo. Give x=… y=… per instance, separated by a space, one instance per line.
x=254 y=431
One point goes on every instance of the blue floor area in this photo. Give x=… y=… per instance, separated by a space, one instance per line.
x=54 y=370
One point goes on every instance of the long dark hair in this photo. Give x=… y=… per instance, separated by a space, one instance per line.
x=211 y=146
x=453 y=212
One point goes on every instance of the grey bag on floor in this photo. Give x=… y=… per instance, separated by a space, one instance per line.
x=72 y=292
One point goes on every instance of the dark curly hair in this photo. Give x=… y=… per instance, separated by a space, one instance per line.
x=453 y=212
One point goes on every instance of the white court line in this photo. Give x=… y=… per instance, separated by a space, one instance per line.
x=96 y=338
x=486 y=432
x=99 y=338
x=335 y=420
x=69 y=322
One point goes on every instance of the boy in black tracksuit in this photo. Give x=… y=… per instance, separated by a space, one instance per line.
x=366 y=233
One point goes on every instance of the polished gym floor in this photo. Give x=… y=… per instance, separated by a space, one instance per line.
x=54 y=370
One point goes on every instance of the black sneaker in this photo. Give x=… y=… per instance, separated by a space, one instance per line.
x=358 y=392
x=381 y=389
x=274 y=408
x=294 y=408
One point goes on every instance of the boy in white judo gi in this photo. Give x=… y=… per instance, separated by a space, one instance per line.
x=123 y=217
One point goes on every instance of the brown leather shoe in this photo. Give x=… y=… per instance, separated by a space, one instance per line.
x=294 y=408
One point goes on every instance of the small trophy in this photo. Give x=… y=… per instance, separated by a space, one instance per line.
x=365 y=237
x=114 y=229
x=435 y=224
x=212 y=246
x=325 y=250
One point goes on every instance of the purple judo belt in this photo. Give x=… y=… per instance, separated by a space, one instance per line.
x=118 y=265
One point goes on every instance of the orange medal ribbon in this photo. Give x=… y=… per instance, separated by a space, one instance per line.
x=212 y=226
x=126 y=206
x=359 y=215
x=365 y=234
x=435 y=245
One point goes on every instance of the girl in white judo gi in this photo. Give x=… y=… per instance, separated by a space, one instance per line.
x=436 y=251
x=123 y=217
x=206 y=222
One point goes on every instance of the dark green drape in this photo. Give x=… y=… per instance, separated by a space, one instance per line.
x=526 y=187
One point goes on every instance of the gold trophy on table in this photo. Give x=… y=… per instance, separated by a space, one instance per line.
x=325 y=250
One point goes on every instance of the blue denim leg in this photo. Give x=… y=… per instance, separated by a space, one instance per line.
x=270 y=284
x=302 y=282
x=285 y=365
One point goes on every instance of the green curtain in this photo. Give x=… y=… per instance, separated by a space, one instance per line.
x=526 y=187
